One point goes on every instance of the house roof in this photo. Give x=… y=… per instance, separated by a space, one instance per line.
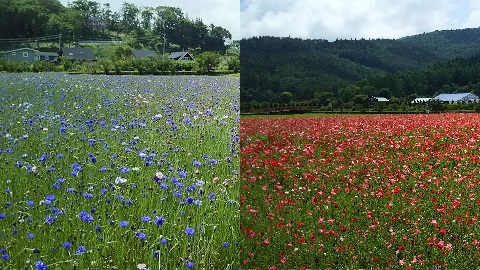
x=21 y=49
x=456 y=97
x=420 y=100
x=143 y=53
x=82 y=53
x=48 y=53
x=381 y=99
x=179 y=55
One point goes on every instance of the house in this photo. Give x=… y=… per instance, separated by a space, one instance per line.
x=181 y=56
x=466 y=97
x=21 y=55
x=138 y=54
x=47 y=56
x=82 y=53
x=380 y=99
x=421 y=100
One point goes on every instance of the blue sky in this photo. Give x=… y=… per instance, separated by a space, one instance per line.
x=332 y=19
x=224 y=13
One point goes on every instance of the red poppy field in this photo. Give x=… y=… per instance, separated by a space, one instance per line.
x=350 y=192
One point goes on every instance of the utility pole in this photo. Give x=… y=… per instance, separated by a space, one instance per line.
x=164 y=40
x=59 y=39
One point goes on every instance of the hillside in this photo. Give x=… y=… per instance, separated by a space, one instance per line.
x=272 y=65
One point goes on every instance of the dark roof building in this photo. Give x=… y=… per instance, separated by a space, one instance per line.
x=181 y=56
x=85 y=54
x=138 y=54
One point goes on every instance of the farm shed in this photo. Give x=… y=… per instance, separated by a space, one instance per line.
x=82 y=53
x=181 y=56
x=21 y=55
x=457 y=97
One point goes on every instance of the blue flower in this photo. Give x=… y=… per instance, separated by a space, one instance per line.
x=159 y=221
x=3 y=216
x=211 y=196
x=146 y=219
x=50 y=220
x=81 y=250
x=30 y=235
x=85 y=216
x=196 y=163
x=67 y=245
x=88 y=195
x=41 y=265
x=189 y=264
x=124 y=223
x=189 y=200
x=51 y=197
x=182 y=174
x=141 y=236
x=5 y=256
x=225 y=244
x=70 y=190
x=189 y=231
x=163 y=241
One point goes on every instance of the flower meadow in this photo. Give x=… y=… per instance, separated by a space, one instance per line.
x=119 y=172
x=360 y=192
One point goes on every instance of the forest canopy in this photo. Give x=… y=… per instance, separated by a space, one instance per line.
x=85 y=19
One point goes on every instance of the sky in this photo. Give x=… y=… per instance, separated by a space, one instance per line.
x=346 y=19
x=224 y=13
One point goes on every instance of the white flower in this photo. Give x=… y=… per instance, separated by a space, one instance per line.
x=120 y=180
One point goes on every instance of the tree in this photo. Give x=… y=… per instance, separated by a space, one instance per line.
x=234 y=64
x=207 y=61
x=90 y=14
x=130 y=14
x=286 y=97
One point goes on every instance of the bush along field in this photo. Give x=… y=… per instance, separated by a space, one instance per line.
x=119 y=172
x=360 y=192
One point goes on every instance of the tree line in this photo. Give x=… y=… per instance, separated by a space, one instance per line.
x=149 y=26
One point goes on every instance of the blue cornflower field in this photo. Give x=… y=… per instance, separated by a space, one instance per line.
x=119 y=172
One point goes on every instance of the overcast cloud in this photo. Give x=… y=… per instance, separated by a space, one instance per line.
x=224 y=13
x=345 y=19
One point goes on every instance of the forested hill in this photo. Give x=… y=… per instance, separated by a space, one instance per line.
x=273 y=65
x=141 y=27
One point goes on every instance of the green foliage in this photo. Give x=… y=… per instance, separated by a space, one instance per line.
x=139 y=26
x=234 y=64
x=286 y=97
x=106 y=65
x=207 y=62
x=183 y=66
x=41 y=66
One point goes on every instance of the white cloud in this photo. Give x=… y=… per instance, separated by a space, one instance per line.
x=331 y=19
